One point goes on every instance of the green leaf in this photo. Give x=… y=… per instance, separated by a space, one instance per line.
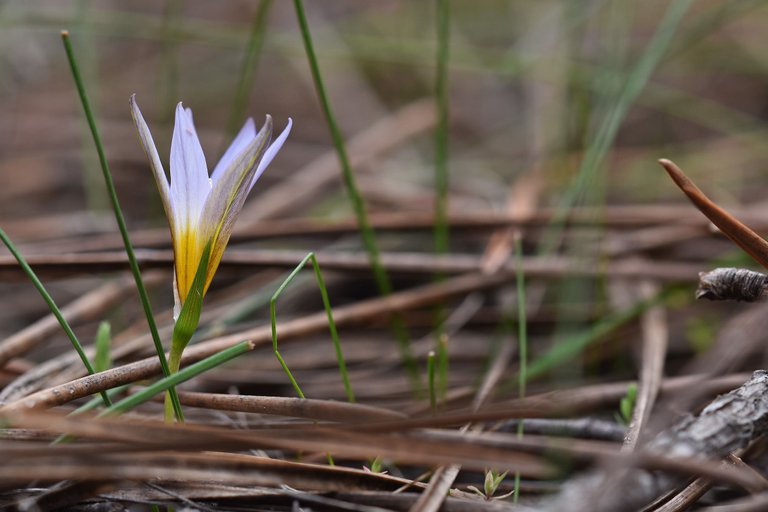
x=627 y=404
x=189 y=317
x=103 y=360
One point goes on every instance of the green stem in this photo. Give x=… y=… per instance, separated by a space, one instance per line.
x=431 y=381
x=522 y=339
x=331 y=326
x=143 y=296
x=595 y=153
x=53 y=307
x=366 y=232
x=441 y=128
x=250 y=60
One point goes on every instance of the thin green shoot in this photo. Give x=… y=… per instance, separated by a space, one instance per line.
x=491 y=484
x=440 y=229
x=358 y=205
x=249 y=65
x=596 y=151
x=431 y=381
x=331 y=326
x=95 y=196
x=627 y=405
x=103 y=359
x=522 y=319
x=143 y=296
x=440 y=233
x=574 y=345
x=522 y=340
x=53 y=307
x=168 y=86
x=376 y=465
x=183 y=375
x=442 y=365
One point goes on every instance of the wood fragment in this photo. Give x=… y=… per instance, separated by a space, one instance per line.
x=729 y=422
x=732 y=284
x=655 y=337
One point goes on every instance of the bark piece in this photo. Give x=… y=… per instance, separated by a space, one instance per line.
x=729 y=422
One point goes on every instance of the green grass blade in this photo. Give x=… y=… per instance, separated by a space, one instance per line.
x=440 y=228
x=250 y=62
x=431 y=381
x=366 y=232
x=143 y=296
x=522 y=319
x=573 y=346
x=331 y=326
x=53 y=307
x=103 y=359
x=168 y=383
x=522 y=340
x=95 y=196
x=597 y=150
x=442 y=365
x=168 y=69
x=441 y=128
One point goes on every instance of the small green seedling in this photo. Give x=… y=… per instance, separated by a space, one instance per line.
x=627 y=405
x=492 y=482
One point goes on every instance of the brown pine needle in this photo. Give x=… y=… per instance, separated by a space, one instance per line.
x=752 y=243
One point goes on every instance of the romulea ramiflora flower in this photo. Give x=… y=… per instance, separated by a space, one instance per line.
x=202 y=209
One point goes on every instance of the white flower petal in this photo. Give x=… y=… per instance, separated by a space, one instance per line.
x=154 y=159
x=189 y=173
x=270 y=153
x=244 y=137
x=229 y=193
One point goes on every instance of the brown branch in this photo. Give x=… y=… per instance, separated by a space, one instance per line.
x=405 y=263
x=320 y=410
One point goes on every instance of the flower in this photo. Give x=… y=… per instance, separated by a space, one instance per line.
x=203 y=209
